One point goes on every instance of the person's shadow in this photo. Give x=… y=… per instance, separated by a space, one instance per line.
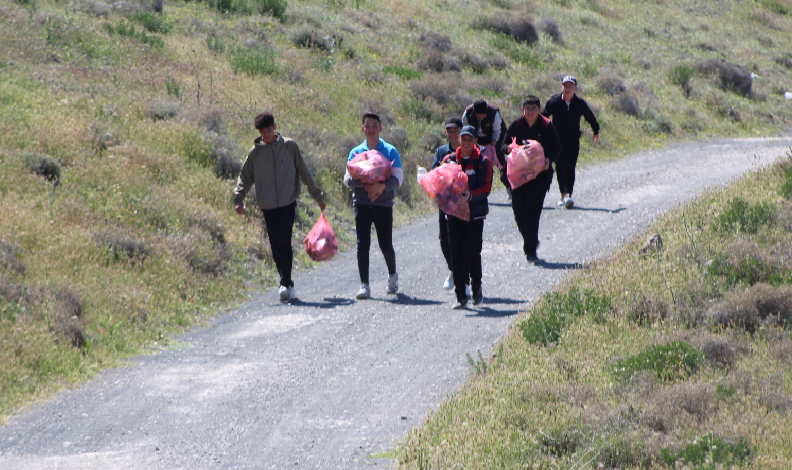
x=586 y=209
x=329 y=302
x=488 y=312
x=403 y=299
x=550 y=265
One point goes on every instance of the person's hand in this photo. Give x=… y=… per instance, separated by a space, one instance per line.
x=546 y=165
x=240 y=209
x=465 y=195
x=374 y=187
x=322 y=205
x=596 y=138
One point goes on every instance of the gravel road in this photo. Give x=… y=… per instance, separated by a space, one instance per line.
x=327 y=381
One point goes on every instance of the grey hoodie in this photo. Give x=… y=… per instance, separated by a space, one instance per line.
x=276 y=170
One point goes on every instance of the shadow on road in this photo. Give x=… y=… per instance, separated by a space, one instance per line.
x=587 y=209
x=500 y=204
x=329 y=302
x=490 y=312
x=547 y=265
x=501 y=300
x=403 y=299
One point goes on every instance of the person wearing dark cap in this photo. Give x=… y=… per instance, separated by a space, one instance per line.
x=453 y=126
x=528 y=199
x=465 y=237
x=566 y=108
x=491 y=129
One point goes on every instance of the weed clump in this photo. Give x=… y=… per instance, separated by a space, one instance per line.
x=670 y=362
x=681 y=76
x=431 y=141
x=626 y=103
x=742 y=217
x=720 y=353
x=123 y=246
x=9 y=257
x=611 y=85
x=153 y=22
x=310 y=38
x=519 y=28
x=164 y=108
x=203 y=254
x=785 y=60
x=45 y=166
x=647 y=310
x=274 y=8
x=708 y=450
x=252 y=61
x=550 y=27
x=732 y=77
x=547 y=323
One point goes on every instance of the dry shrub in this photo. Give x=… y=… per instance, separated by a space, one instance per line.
x=705 y=46
x=45 y=166
x=163 y=108
x=738 y=311
x=211 y=119
x=696 y=399
x=444 y=89
x=96 y=8
x=748 y=309
x=611 y=85
x=732 y=77
x=376 y=106
x=203 y=254
x=65 y=316
x=102 y=137
x=550 y=27
x=9 y=257
x=779 y=402
x=766 y=19
x=206 y=220
x=397 y=136
x=431 y=141
x=785 y=60
x=626 y=103
x=625 y=450
x=518 y=27
x=771 y=302
x=308 y=37
x=720 y=353
x=123 y=245
x=647 y=310
x=436 y=41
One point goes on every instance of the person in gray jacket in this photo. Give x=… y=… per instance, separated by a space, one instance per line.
x=275 y=166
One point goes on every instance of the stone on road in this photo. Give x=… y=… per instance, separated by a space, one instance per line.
x=330 y=382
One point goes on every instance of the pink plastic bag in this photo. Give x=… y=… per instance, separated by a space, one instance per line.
x=489 y=152
x=321 y=243
x=370 y=167
x=445 y=185
x=524 y=163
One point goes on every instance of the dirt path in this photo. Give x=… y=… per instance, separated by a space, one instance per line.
x=325 y=382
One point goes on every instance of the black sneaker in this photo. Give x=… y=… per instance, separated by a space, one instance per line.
x=478 y=296
x=533 y=260
x=460 y=304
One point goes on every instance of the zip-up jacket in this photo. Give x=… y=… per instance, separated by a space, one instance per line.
x=478 y=169
x=491 y=129
x=543 y=132
x=566 y=118
x=440 y=154
x=359 y=193
x=276 y=170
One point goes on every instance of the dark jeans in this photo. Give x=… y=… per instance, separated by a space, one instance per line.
x=465 y=239
x=527 y=201
x=444 y=246
x=565 y=166
x=382 y=218
x=279 y=222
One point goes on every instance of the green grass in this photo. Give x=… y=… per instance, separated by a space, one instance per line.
x=142 y=112
x=672 y=372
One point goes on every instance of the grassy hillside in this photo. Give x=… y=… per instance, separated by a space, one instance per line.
x=122 y=129
x=673 y=358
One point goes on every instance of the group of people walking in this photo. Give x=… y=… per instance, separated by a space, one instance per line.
x=478 y=142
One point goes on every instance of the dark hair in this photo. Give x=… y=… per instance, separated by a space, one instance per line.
x=372 y=116
x=264 y=120
x=480 y=107
x=531 y=99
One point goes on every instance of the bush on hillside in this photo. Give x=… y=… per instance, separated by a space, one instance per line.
x=785 y=60
x=626 y=103
x=163 y=108
x=611 y=85
x=732 y=77
x=9 y=257
x=551 y=28
x=275 y=8
x=670 y=362
x=519 y=28
x=46 y=166
x=121 y=245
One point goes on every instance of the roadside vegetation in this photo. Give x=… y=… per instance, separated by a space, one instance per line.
x=671 y=354
x=125 y=123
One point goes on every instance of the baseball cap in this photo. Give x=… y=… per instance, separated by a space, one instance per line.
x=469 y=130
x=569 y=78
x=480 y=107
x=453 y=122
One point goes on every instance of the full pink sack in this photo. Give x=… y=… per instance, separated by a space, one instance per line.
x=524 y=163
x=370 y=167
x=445 y=185
x=321 y=243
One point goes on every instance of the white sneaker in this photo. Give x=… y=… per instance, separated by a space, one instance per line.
x=449 y=282
x=393 y=284
x=568 y=202
x=560 y=202
x=364 y=292
x=467 y=290
x=285 y=293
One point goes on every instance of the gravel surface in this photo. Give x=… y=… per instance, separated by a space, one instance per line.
x=326 y=381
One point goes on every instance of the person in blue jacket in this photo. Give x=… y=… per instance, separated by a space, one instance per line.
x=379 y=211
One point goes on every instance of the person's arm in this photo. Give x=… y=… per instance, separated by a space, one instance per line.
x=464 y=118
x=496 y=128
x=548 y=108
x=438 y=158
x=245 y=181
x=397 y=174
x=306 y=176
x=349 y=182
x=481 y=184
x=589 y=116
x=507 y=140
x=551 y=145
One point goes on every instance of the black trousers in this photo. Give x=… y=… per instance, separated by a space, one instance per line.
x=280 y=222
x=527 y=202
x=382 y=218
x=565 y=166
x=444 y=246
x=465 y=239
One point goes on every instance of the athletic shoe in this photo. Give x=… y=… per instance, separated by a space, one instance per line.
x=467 y=290
x=478 y=296
x=393 y=284
x=534 y=260
x=568 y=202
x=460 y=304
x=449 y=282
x=364 y=292
x=285 y=293
x=560 y=202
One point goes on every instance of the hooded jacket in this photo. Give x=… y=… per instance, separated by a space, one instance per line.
x=276 y=170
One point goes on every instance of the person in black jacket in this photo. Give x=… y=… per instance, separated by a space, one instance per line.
x=528 y=199
x=566 y=108
x=491 y=130
x=453 y=126
x=466 y=238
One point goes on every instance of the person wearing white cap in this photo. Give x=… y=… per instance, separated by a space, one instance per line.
x=566 y=109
